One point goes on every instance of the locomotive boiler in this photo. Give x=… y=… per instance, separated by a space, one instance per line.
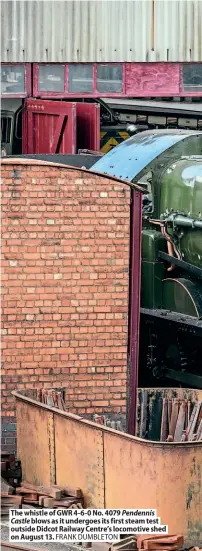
x=168 y=164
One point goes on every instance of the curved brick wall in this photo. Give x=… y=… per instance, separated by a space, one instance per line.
x=65 y=273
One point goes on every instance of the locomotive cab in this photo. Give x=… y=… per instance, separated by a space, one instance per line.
x=172 y=273
x=169 y=166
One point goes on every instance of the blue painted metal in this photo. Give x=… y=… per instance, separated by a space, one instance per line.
x=131 y=157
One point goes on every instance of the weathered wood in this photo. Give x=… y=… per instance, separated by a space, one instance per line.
x=51 y=491
x=180 y=423
x=69 y=491
x=174 y=416
x=164 y=421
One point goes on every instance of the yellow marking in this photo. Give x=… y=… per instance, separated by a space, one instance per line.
x=109 y=145
x=124 y=135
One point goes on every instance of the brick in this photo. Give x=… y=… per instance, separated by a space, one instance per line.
x=65 y=288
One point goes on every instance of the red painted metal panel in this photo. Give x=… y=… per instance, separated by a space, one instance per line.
x=152 y=79
x=66 y=94
x=134 y=304
x=139 y=80
x=51 y=127
x=88 y=126
x=24 y=131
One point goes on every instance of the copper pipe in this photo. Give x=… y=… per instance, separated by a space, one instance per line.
x=170 y=244
x=167 y=236
x=170 y=252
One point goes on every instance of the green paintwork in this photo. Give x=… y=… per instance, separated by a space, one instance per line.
x=183 y=195
x=179 y=193
x=191 y=247
x=151 y=281
x=176 y=188
x=152 y=243
x=176 y=297
x=153 y=271
x=190 y=146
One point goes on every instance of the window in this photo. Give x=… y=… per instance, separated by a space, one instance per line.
x=109 y=78
x=12 y=79
x=80 y=78
x=192 y=77
x=6 y=129
x=51 y=78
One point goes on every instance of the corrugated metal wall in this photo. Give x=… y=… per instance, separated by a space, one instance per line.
x=101 y=30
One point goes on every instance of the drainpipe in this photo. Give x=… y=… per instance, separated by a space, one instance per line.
x=134 y=306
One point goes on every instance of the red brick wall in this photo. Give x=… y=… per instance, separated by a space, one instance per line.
x=65 y=271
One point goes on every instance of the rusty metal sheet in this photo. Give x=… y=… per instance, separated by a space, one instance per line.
x=79 y=458
x=113 y=469
x=35 y=443
x=139 y=474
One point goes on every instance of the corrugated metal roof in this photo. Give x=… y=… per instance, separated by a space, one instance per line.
x=131 y=157
x=101 y=30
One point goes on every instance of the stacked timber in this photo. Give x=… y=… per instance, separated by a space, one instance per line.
x=103 y=420
x=170 y=420
x=53 y=497
x=30 y=495
x=51 y=398
x=178 y=424
x=143 y=543
x=160 y=543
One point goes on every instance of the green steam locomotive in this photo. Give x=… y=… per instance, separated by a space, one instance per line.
x=169 y=165
x=171 y=295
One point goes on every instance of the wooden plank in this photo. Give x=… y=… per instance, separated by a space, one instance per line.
x=70 y=491
x=63 y=404
x=49 y=502
x=52 y=491
x=29 y=501
x=156 y=546
x=55 y=399
x=39 y=395
x=180 y=423
x=199 y=431
x=174 y=416
x=199 y=418
x=164 y=421
x=193 y=420
x=169 y=412
x=143 y=415
x=59 y=400
x=126 y=544
x=26 y=491
x=41 y=500
x=158 y=542
x=187 y=414
x=50 y=401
